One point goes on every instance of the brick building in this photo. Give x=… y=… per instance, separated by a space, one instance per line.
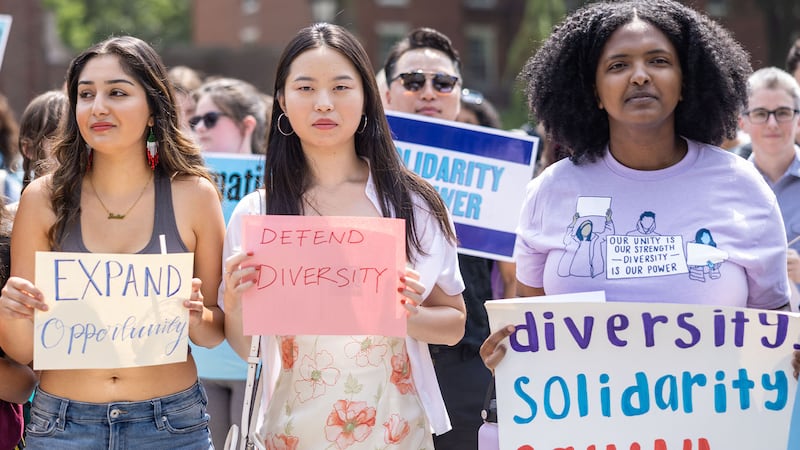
x=483 y=30
x=478 y=28
x=34 y=60
x=243 y=38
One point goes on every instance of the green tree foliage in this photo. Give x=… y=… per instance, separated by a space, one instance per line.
x=540 y=17
x=781 y=22
x=82 y=23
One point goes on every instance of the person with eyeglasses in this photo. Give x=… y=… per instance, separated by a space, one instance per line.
x=642 y=92
x=772 y=119
x=229 y=117
x=423 y=75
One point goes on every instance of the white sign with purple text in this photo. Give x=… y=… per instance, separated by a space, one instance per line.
x=647 y=376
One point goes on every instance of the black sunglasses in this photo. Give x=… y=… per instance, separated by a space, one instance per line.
x=415 y=81
x=209 y=119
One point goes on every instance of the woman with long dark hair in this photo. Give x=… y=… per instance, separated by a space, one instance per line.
x=125 y=175
x=331 y=154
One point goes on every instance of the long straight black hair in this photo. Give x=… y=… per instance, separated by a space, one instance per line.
x=286 y=171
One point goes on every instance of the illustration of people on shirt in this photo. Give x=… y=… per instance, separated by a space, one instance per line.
x=646 y=226
x=703 y=257
x=584 y=252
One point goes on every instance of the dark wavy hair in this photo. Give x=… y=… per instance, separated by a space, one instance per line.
x=286 y=170
x=560 y=78
x=420 y=38
x=38 y=125
x=9 y=135
x=177 y=154
x=484 y=111
x=793 y=57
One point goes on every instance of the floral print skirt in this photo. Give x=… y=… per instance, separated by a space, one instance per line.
x=345 y=392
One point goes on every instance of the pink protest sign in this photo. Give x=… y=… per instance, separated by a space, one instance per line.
x=325 y=275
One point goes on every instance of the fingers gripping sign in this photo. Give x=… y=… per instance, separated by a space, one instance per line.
x=492 y=350
x=411 y=290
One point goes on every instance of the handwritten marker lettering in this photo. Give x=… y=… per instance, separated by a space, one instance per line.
x=557 y=397
x=310 y=276
x=111 y=278
x=112 y=310
x=311 y=237
x=658 y=444
x=77 y=337
x=619 y=328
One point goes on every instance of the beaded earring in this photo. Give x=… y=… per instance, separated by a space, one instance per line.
x=152 y=150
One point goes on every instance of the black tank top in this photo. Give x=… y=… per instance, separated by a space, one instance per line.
x=163 y=223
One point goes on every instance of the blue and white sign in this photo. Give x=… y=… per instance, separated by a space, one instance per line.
x=236 y=175
x=480 y=173
x=5 y=30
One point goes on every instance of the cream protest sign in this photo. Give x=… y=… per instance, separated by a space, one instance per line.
x=638 y=375
x=325 y=275
x=111 y=310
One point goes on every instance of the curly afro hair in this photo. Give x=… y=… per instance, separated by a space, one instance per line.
x=560 y=78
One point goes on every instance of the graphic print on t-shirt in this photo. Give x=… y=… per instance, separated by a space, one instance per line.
x=584 y=250
x=703 y=256
x=592 y=247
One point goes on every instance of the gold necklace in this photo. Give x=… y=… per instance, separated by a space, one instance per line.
x=312 y=206
x=119 y=216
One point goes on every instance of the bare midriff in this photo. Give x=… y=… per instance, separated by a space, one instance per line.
x=120 y=385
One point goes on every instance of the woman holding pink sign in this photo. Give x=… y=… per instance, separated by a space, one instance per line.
x=127 y=181
x=331 y=154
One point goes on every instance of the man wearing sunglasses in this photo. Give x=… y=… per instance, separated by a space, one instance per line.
x=422 y=73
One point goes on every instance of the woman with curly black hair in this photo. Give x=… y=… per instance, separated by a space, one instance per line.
x=642 y=92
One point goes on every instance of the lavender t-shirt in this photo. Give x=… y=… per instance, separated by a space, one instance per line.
x=706 y=230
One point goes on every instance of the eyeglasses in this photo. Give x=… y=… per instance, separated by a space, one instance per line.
x=471 y=96
x=209 y=119
x=761 y=115
x=415 y=81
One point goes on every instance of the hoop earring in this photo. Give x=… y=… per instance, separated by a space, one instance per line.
x=279 y=126
x=363 y=127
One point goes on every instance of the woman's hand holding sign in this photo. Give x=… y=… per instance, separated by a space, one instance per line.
x=235 y=281
x=492 y=351
x=431 y=322
x=19 y=298
x=412 y=291
x=195 y=304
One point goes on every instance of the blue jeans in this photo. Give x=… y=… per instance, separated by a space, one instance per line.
x=177 y=421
